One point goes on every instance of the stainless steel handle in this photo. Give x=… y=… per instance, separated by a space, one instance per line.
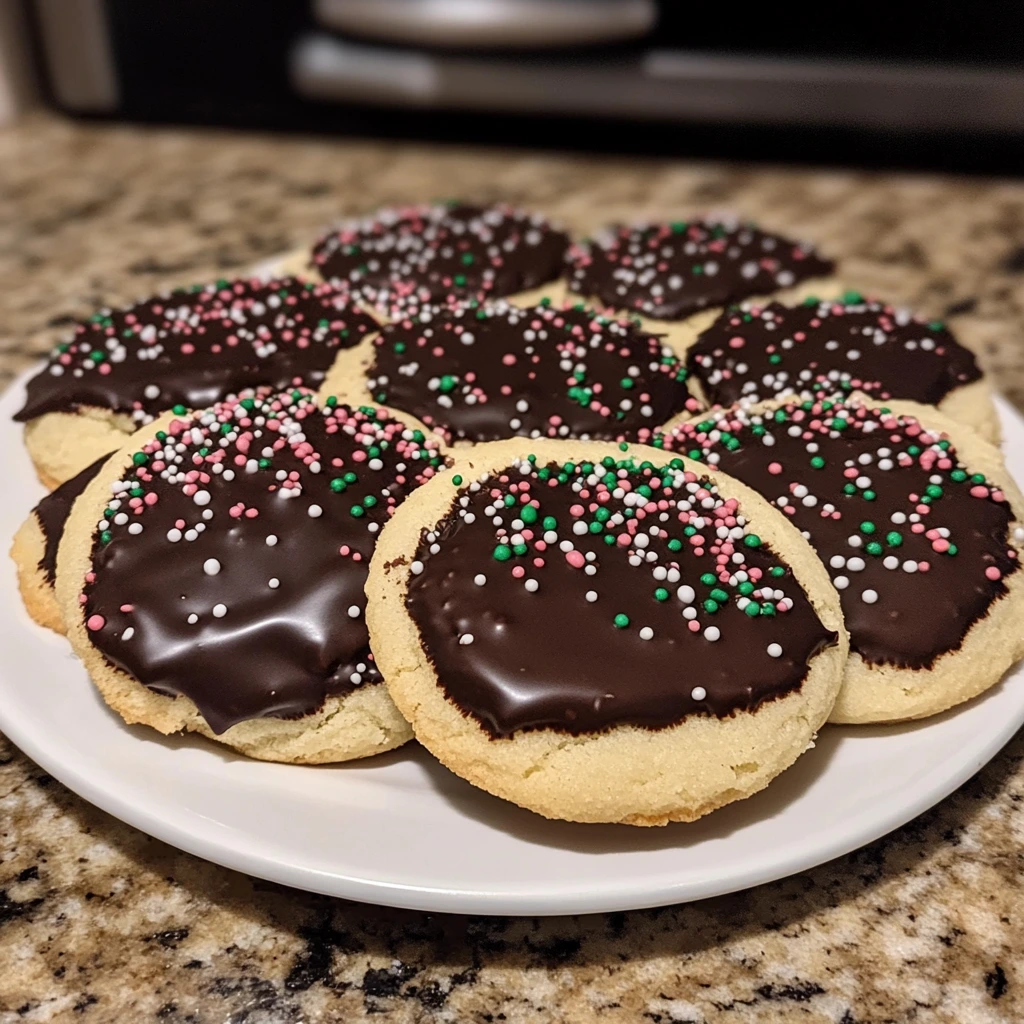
x=487 y=24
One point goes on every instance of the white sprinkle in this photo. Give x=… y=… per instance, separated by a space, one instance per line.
x=174 y=535
x=532 y=586
x=479 y=579
x=775 y=650
x=891 y=562
x=353 y=611
x=211 y=567
x=686 y=594
x=315 y=511
x=869 y=596
x=128 y=633
x=646 y=633
x=193 y=619
x=416 y=568
x=466 y=639
x=152 y=391
x=201 y=497
x=910 y=565
x=837 y=561
x=698 y=692
x=271 y=541
x=274 y=583
x=219 y=611
x=591 y=596
x=135 y=529
x=840 y=583
x=855 y=564
x=712 y=633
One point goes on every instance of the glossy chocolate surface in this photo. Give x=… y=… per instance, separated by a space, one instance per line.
x=232 y=561
x=597 y=610
x=670 y=271
x=193 y=347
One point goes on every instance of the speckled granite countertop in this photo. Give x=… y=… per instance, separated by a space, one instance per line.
x=101 y=923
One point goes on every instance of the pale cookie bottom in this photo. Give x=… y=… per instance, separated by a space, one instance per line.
x=37 y=592
x=62 y=444
x=627 y=774
x=360 y=724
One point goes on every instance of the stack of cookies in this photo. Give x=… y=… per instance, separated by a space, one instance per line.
x=611 y=526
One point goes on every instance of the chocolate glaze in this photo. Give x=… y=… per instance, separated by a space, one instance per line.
x=52 y=513
x=483 y=373
x=552 y=659
x=398 y=259
x=195 y=346
x=918 y=616
x=276 y=651
x=758 y=353
x=670 y=271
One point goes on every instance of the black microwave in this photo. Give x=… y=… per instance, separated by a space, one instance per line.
x=628 y=72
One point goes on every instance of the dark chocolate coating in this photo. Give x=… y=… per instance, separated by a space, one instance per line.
x=401 y=258
x=670 y=271
x=52 y=513
x=276 y=651
x=757 y=354
x=551 y=659
x=194 y=347
x=918 y=616
x=480 y=374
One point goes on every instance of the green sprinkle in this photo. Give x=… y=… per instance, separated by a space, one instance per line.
x=550 y=523
x=746 y=588
x=933 y=491
x=519 y=549
x=818 y=462
x=338 y=485
x=350 y=477
x=621 y=621
x=709 y=579
x=719 y=595
x=502 y=553
x=777 y=570
x=527 y=513
x=752 y=609
x=179 y=410
x=710 y=606
x=867 y=527
x=357 y=511
x=873 y=548
x=661 y=594
x=674 y=544
x=140 y=458
x=752 y=540
x=457 y=480
x=106 y=536
x=893 y=539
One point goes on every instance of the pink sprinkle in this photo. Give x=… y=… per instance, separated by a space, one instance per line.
x=518 y=572
x=775 y=468
x=95 y=622
x=993 y=573
x=126 y=608
x=693 y=625
x=575 y=558
x=978 y=491
x=736 y=342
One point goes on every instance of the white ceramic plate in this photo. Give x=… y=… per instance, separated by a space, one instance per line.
x=403 y=831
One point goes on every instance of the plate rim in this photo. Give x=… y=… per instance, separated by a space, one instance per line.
x=632 y=893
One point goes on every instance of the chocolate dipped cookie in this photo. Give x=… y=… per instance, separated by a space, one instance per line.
x=918 y=522
x=399 y=259
x=34 y=549
x=756 y=352
x=481 y=372
x=601 y=632
x=211 y=576
x=678 y=275
x=180 y=350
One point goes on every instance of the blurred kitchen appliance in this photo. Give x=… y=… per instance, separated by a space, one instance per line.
x=919 y=66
